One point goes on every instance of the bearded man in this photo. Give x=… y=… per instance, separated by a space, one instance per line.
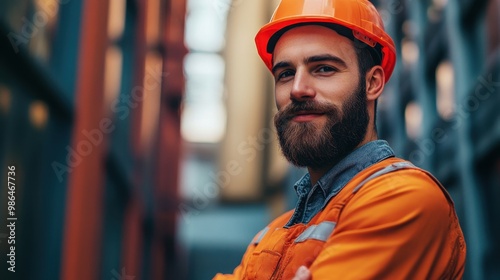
x=361 y=213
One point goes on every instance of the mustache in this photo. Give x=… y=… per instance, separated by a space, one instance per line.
x=295 y=107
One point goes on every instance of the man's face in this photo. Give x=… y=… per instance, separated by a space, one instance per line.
x=322 y=112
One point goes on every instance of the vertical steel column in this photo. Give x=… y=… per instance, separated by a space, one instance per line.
x=463 y=43
x=424 y=90
x=169 y=141
x=81 y=245
x=133 y=236
x=394 y=96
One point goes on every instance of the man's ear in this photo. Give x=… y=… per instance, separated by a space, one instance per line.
x=375 y=81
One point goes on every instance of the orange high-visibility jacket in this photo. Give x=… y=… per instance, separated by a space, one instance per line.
x=391 y=221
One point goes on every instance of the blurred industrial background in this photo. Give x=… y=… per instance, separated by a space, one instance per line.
x=142 y=141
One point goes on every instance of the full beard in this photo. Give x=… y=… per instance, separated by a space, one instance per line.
x=306 y=144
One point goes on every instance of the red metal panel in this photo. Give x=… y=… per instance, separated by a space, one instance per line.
x=169 y=142
x=82 y=236
x=492 y=26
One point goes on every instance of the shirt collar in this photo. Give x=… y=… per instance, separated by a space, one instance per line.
x=340 y=174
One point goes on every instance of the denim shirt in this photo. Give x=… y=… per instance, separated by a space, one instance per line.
x=314 y=198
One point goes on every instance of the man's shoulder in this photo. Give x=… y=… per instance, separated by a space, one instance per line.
x=405 y=188
x=406 y=198
x=403 y=176
x=394 y=172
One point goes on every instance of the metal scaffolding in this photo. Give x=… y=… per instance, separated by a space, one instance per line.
x=457 y=126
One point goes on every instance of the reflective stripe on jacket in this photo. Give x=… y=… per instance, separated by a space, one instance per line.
x=391 y=221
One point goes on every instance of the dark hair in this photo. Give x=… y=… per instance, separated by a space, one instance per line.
x=367 y=56
x=365 y=63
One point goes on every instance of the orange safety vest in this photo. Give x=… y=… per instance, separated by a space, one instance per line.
x=391 y=221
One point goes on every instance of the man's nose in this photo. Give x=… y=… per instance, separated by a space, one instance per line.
x=302 y=87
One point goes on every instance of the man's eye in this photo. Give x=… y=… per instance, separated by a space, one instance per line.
x=326 y=69
x=285 y=74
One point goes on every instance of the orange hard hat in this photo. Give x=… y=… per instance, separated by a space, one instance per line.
x=360 y=16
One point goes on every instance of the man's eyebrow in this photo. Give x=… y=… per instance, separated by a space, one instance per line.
x=325 y=57
x=281 y=64
x=312 y=59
